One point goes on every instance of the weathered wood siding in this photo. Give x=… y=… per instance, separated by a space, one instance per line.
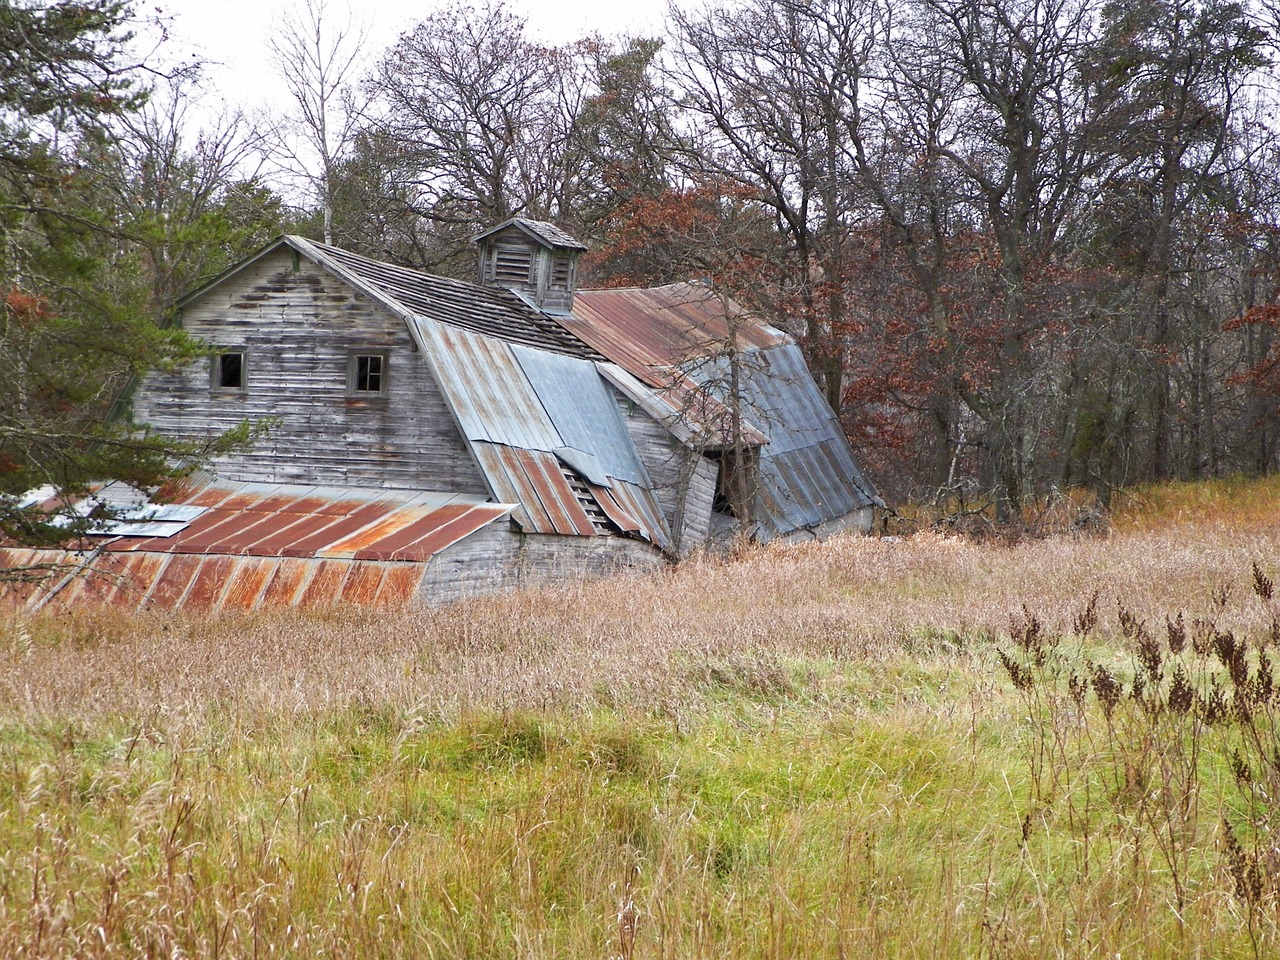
x=299 y=325
x=501 y=558
x=684 y=481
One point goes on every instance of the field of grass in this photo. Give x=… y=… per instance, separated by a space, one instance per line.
x=924 y=748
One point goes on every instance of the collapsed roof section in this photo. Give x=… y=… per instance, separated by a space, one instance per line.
x=678 y=340
x=244 y=546
x=546 y=435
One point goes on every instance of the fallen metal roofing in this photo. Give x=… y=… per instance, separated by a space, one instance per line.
x=808 y=474
x=252 y=545
x=546 y=434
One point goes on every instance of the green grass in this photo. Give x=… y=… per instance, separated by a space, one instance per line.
x=815 y=823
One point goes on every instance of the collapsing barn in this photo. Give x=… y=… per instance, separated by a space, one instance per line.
x=432 y=438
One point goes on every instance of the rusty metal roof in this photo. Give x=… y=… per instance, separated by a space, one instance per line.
x=673 y=339
x=256 y=545
x=647 y=329
x=286 y=520
x=201 y=583
x=546 y=434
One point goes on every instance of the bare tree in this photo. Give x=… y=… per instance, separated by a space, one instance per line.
x=318 y=54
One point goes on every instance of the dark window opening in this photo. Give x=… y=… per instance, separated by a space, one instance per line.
x=735 y=481
x=367 y=374
x=229 y=370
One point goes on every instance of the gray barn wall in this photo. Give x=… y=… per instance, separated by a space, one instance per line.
x=683 y=480
x=299 y=328
x=500 y=557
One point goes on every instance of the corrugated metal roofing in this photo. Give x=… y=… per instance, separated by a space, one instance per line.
x=198 y=583
x=643 y=330
x=261 y=545
x=582 y=411
x=808 y=474
x=283 y=520
x=520 y=409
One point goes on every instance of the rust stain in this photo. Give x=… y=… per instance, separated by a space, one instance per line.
x=368 y=536
x=308 y=546
x=542 y=471
x=248 y=579
x=614 y=510
x=137 y=576
x=209 y=582
x=399 y=584
x=386 y=547
x=325 y=585
x=173 y=581
x=289 y=577
x=362 y=583
x=450 y=533
x=210 y=528
x=294 y=528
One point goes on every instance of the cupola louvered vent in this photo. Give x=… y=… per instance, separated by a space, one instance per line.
x=536 y=259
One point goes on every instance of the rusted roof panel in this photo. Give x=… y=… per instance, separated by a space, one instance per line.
x=282 y=520
x=285 y=583
x=663 y=326
x=325 y=585
x=362 y=583
x=517 y=407
x=208 y=585
x=173 y=581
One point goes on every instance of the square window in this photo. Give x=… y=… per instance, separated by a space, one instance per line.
x=229 y=371
x=367 y=374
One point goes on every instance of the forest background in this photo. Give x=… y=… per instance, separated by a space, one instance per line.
x=1025 y=244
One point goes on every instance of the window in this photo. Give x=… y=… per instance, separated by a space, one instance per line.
x=367 y=375
x=229 y=371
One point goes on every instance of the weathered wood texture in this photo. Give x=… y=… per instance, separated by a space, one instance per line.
x=500 y=558
x=299 y=325
x=684 y=481
x=513 y=259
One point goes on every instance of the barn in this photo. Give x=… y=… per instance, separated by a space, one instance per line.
x=431 y=438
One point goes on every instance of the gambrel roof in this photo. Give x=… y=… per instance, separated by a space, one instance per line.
x=494 y=311
x=524 y=392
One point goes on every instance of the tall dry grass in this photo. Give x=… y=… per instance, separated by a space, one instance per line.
x=633 y=641
x=808 y=751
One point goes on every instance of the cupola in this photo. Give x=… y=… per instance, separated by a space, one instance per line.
x=536 y=259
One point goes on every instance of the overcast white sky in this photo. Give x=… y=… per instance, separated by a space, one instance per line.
x=230 y=34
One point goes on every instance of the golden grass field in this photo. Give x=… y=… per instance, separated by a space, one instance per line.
x=805 y=751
